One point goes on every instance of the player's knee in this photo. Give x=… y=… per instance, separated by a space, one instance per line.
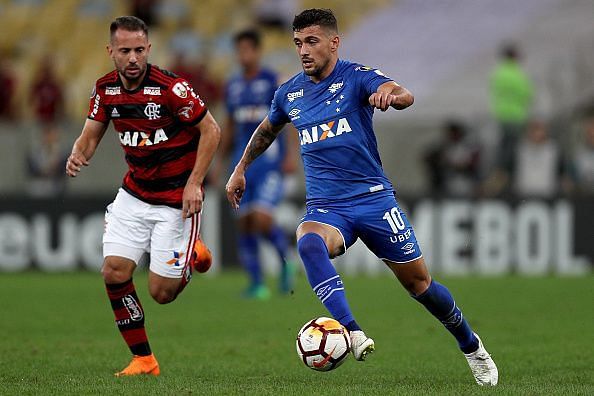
x=163 y=296
x=263 y=223
x=113 y=274
x=416 y=285
x=310 y=246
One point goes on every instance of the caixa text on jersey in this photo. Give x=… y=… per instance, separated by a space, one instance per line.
x=140 y=139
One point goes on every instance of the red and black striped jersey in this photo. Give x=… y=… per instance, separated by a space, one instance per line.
x=156 y=124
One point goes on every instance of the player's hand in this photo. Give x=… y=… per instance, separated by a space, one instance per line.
x=192 y=200
x=235 y=188
x=74 y=163
x=382 y=100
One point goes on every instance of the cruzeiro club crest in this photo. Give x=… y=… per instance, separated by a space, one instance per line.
x=152 y=111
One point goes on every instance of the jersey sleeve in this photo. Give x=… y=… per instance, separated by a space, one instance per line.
x=185 y=104
x=369 y=79
x=96 y=108
x=276 y=114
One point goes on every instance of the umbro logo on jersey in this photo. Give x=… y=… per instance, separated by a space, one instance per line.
x=140 y=139
x=155 y=91
x=294 y=114
x=112 y=91
x=324 y=131
x=291 y=96
x=335 y=87
x=114 y=113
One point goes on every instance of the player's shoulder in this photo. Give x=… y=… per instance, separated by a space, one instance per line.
x=294 y=82
x=110 y=78
x=352 y=67
x=360 y=68
x=162 y=77
x=348 y=65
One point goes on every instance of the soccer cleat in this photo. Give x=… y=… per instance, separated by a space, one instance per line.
x=201 y=256
x=286 y=277
x=256 y=292
x=141 y=365
x=482 y=366
x=361 y=345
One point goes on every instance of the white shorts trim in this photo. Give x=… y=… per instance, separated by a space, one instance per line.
x=329 y=225
x=401 y=262
x=119 y=250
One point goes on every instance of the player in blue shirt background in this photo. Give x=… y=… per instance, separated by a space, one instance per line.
x=331 y=103
x=247 y=97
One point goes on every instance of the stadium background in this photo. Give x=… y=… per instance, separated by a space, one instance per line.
x=506 y=257
x=442 y=51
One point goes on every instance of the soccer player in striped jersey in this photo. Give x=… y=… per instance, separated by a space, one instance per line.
x=169 y=138
x=349 y=197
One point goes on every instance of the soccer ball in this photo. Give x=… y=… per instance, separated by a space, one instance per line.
x=323 y=344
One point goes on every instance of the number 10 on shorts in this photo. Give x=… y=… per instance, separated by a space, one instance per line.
x=394 y=218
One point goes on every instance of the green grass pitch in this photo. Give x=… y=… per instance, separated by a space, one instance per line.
x=57 y=336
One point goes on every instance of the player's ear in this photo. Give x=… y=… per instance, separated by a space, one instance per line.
x=109 y=50
x=335 y=43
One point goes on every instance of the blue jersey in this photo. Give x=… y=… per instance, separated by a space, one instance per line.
x=248 y=101
x=334 y=121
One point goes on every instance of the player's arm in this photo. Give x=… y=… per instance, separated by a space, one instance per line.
x=391 y=94
x=210 y=136
x=84 y=147
x=261 y=139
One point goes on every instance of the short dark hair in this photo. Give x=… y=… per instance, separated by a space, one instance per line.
x=315 y=16
x=129 y=23
x=251 y=35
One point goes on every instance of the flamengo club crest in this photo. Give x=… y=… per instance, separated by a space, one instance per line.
x=152 y=111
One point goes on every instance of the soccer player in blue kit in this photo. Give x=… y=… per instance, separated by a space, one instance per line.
x=331 y=103
x=247 y=97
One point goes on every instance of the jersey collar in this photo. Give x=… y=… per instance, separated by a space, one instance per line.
x=142 y=83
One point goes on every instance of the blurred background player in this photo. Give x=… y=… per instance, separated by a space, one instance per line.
x=583 y=161
x=247 y=97
x=349 y=197
x=159 y=120
x=453 y=162
x=538 y=166
x=512 y=96
x=46 y=159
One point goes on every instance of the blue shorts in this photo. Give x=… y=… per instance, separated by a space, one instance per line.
x=374 y=218
x=263 y=191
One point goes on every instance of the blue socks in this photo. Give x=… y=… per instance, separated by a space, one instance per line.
x=324 y=279
x=278 y=239
x=438 y=300
x=248 y=254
